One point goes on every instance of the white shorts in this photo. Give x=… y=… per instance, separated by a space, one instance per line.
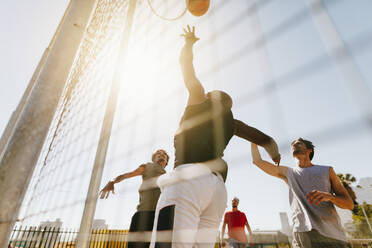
x=190 y=207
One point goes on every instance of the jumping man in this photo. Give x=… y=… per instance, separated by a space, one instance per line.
x=193 y=197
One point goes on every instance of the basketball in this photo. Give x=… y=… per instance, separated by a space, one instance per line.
x=197 y=7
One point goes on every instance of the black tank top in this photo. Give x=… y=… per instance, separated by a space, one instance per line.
x=203 y=134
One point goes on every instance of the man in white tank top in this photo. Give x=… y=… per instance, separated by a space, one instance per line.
x=313 y=192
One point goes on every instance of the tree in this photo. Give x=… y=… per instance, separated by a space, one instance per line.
x=362 y=213
x=347 y=180
x=360 y=222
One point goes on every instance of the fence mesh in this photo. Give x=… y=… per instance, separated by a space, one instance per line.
x=61 y=180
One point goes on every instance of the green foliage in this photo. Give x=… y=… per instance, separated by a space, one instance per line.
x=359 y=220
x=348 y=178
x=361 y=229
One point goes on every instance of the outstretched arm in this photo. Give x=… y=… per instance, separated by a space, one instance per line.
x=269 y=168
x=340 y=197
x=193 y=85
x=104 y=193
x=254 y=135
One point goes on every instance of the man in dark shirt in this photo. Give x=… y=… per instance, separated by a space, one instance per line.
x=142 y=221
x=193 y=197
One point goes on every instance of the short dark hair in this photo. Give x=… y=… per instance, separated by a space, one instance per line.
x=308 y=144
x=223 y=97
x=160 y=150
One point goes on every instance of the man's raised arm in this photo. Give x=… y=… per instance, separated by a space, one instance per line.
x=254 y=135
x=269 y=168
x=193 y=85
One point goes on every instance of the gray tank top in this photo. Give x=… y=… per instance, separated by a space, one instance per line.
x=306 y=216
x=149 y=191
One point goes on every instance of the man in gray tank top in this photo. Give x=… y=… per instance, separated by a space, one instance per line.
x=143 y=220
x=313 y=192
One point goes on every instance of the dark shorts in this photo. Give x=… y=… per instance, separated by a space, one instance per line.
x=165 y=223
x=142 y=221
x=314 y=239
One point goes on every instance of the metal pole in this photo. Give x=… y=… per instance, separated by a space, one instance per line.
x=99 y=162
x=365 y=215
x=9 y=130
x=344 y=62
x=276 y=111
x=22 y=150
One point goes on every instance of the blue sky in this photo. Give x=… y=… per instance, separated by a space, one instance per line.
x=315 y=103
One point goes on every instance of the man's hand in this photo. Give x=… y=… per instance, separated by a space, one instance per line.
x=273 y=151
x=277 y=160
x=104 y=193
x=316 y=197
x=189 y=35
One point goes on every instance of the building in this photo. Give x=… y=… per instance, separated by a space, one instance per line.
x=56 y=224
x=99 y=224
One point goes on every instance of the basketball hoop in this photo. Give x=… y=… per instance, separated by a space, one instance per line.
x=166 y=18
